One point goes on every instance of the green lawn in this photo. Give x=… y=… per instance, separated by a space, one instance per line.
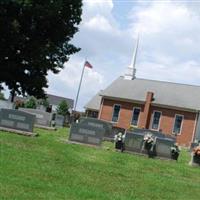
x=46 y=167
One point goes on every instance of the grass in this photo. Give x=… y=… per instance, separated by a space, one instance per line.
x=46 y=167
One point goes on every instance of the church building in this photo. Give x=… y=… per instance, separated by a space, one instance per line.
x=171 y=108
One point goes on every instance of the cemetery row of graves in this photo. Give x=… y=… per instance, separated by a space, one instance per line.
x=92 y=131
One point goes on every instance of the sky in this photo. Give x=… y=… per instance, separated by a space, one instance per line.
x=169 y=47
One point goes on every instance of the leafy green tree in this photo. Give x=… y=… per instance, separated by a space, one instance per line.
x=62 y=108
x=43 y=102
x=35 y=38
x=31 y=103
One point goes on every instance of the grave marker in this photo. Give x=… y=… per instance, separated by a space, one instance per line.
x=15 y=119
x=42 y=118
x=89 y=131
x=60 y=119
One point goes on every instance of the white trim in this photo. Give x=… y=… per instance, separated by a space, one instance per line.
x=118 y=114
x=101 y=106
x=152 y=117
x=195 y=126
x=138 y=116
x=181 y=124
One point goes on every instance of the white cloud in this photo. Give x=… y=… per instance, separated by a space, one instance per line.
x=169 y=46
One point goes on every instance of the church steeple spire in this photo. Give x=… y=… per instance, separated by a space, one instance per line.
x=131 y=70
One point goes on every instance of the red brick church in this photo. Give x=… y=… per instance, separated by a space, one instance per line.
x=171 y=108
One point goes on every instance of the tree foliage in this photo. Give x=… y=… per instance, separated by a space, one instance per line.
x=35 y=38
x=44 y=102
x=31 y=103
x=62 y=108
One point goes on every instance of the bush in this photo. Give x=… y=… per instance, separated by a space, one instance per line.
x=31 y=103
x=63 y=108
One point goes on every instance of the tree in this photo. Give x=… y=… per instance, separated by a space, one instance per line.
x=31 y=103
x=62 y=108
x=35 y=38
x=43 y=102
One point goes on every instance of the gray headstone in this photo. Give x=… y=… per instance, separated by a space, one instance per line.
x=16 y=119
x=88 y=131
x=134 y=141
x=163 y=147
x=42 y=118
x=60 y=120
x=97 y=123
x=6 y=104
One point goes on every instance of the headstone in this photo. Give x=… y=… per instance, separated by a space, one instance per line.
x=163 y=147
x=88 y=131
x=42 y=118
x=6 y=104
x=134 y=141
x=15 y=119
x=59 y=120
x=92 y=121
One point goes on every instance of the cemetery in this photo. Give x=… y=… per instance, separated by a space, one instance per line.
x=137 y=138
x=47 y=166
x=141 y=141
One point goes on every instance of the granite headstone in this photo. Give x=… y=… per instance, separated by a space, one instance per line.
x=15 y=119
x=60 y=119
x=42 y=118
x=88 y=131
x=134 y=141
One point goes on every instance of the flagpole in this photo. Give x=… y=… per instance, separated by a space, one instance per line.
x=79 y=87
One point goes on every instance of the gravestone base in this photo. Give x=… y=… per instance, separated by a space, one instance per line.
x=45 y=127
x=19 y=132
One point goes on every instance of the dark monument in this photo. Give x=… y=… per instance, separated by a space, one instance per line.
x=152 y=143
x=89 y=131
x=18 y=120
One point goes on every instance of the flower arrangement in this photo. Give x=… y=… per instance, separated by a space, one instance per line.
x=149 y=142
x=175 y=151
x=196 y=151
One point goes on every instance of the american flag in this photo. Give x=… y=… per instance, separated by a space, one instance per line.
x=87 y=64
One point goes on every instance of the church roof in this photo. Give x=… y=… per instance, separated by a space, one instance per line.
x=165 y=93
x=94 y=103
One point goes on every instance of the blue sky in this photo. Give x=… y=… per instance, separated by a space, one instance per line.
x=168 y=51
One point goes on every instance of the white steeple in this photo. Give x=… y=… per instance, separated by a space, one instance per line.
x=130 y=73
